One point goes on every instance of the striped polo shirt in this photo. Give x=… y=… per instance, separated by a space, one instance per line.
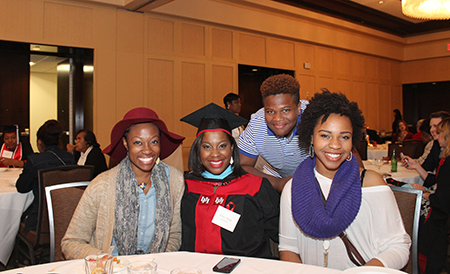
x=282 y=154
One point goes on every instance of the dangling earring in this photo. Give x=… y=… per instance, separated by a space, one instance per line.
x=231 y=160
x=311 y=151
x=157 y=161
x=350 y=157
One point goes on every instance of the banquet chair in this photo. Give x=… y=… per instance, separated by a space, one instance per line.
x=62 y=200
x=35 y=245
x=362 y=150
x=419 y=147
x=408 y=150
x=409 y=202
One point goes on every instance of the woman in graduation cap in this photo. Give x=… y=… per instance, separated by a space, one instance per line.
x=134 y=206
x=224 y=209
x=13 y=153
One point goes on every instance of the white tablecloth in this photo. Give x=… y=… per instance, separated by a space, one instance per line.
x=377 y=152
x=205 y=262
x=12 y=205
x=402 y=174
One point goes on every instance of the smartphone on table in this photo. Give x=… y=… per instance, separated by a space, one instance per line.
x=226 y=265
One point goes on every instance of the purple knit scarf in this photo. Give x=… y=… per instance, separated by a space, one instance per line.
x=312 y=216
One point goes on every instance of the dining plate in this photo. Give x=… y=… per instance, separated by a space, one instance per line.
x=372 y=270
x=121 y=265
x=3 y=169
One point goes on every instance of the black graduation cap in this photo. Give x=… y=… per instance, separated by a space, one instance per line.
x=214 y=117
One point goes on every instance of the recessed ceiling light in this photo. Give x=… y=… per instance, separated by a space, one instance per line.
x=381 y=2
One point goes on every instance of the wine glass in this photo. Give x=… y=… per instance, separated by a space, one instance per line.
x=378 y=163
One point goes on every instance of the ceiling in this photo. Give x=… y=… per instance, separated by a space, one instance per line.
x=386 y=17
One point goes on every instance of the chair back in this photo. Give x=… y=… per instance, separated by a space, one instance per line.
x=418 y=144
x=53 y=176
x=409 y=202
x=62 y=201
x=408 y=150
x=362 y=150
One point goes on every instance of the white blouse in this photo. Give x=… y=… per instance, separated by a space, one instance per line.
x=377 y=231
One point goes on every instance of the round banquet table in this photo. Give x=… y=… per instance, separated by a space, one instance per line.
x=404 y=175
x=378 y=152
x=170 y=260
x=12 y=205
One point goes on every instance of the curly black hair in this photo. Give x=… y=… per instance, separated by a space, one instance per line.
x=281 y=84
x=321 y=106
x=195 y=162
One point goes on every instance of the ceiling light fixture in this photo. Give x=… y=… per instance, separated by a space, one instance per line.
x=427 y=9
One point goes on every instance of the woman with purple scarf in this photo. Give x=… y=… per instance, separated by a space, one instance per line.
x=333 y=213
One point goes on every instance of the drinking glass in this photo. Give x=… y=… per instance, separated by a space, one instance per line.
x=98 y=264
x=379 y=163
x=142 y=267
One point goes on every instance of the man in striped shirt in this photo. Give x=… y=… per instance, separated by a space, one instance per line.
x=272 y=132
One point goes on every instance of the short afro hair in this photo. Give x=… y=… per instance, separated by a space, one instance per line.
x=281 y=83
x=320 y=107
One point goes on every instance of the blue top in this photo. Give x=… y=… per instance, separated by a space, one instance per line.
x=281 y=153
x=146 y=224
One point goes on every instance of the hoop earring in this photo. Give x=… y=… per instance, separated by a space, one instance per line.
x=350 y=157
x=311 y=151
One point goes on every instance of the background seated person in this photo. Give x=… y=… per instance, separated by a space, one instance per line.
x=418 y=134
x=216 y=181
x=88 y=152
x=13 y=152
x=48 y=139
x=330 y=194
x=232 y=102
x=272 y=134
x=372 y=135
x=134 y=206
x=402 y=132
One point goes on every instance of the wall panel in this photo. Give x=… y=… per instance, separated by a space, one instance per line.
x=161 y=89
x=371 y=110
x=193 y=39
x=324 y=60
x=58 y=18
x=385 y=107
x=222 y=83
x=280 y=54
x=222 y=43
x=343 y=86
x=342 y=63
x=305 y=54
x=193 y=94
x=129 y=77
x=160 y=35
x=252 y=49
x=325 y=82
x=307 y=86
x=130 y=32
x=357 y=66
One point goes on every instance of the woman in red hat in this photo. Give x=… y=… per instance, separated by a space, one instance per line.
x=134 y=206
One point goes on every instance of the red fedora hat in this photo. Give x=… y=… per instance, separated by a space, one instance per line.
x=169 y=141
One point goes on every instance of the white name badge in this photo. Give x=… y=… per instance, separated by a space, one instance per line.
x=226 y=218
x=7 y=154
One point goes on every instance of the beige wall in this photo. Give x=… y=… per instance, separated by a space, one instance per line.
x=175 y=65
x=43 y=102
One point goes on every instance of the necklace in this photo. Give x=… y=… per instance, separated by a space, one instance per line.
x=142 y=185
x=326 y=246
